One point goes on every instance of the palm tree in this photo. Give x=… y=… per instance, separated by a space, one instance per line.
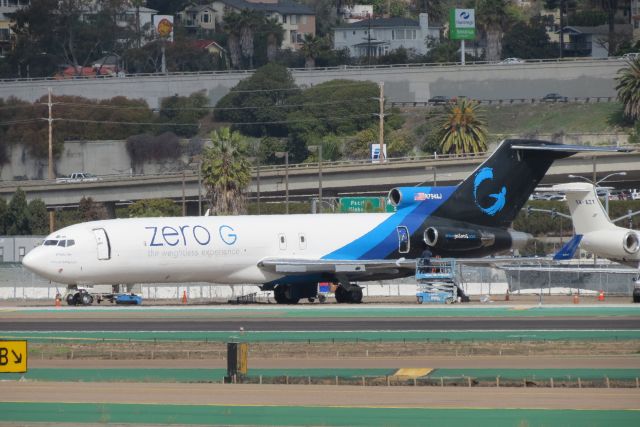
x=226 y=172
x=275 y=34
x=232 y=28
x=493 y=16
x=311 y=47
x=465 y=130
x=250 y=20
x=628 y=88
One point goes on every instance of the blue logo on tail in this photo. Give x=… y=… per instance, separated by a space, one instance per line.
x=501 y=197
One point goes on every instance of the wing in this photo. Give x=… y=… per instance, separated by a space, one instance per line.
x=351 y=269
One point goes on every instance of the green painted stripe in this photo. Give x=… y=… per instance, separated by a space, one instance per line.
x=16 y=412
x=330 y=336
x=359 y=311
x=180 y=375
x=183 y=375
x=538 y=374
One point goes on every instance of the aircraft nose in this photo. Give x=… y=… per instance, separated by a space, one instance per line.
x=34 y=261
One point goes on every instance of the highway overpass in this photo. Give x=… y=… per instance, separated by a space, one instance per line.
x=338 y=179
x=575 y=78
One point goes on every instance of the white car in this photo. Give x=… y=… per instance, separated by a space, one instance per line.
x=512 y=61
x=632 y=56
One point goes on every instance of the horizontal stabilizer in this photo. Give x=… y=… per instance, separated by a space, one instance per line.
x=566 y=148
x=569 y=249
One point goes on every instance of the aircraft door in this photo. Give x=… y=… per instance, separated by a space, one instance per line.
x=403 y=239
x=102 y=243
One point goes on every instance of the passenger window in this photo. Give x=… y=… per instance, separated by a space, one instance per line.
x=282 y=241
x=302 y=241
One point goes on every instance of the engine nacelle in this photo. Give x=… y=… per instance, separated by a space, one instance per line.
x=617 y=243
x=631 y=242
x=465 y=239
x=457 y=239
x=401 y=197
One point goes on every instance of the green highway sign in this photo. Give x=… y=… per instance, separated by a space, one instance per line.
x=365 y=204
x=462 y=24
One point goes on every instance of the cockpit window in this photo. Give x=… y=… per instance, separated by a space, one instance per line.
x=62 y=243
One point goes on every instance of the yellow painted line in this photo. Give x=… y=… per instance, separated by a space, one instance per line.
x=412 y=372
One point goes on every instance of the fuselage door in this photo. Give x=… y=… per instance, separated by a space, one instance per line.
x=403 y=239
x=102 y=243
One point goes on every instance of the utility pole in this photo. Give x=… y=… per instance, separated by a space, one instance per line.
x=561 y=28
x=52 y=216
x=381 y=121
x=184 y=199
x=369 y=40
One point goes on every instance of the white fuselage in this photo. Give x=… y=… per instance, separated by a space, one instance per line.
x=600 y=236
x=182 y=249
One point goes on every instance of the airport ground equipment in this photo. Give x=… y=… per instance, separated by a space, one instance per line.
x=81 y=296
x=437 y=281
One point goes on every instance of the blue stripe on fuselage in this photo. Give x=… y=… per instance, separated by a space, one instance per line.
x=383 y=239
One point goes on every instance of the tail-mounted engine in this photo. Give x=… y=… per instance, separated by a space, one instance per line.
x=466 y=239
x=401 y=197
x=631 y=242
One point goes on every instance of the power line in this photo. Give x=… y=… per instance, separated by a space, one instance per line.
x=350 y=116
x=114 y=107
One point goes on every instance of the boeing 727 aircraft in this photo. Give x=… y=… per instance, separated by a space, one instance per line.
x=290 y=254
x=598 y=234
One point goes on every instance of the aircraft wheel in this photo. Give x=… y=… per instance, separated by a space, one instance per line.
x=355 y=295
x=70 y=298
x=342 y=295
x=282 y=295
x=86 y=299
x=279 y=294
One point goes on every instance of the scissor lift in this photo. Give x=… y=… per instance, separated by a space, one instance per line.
x=436 y=279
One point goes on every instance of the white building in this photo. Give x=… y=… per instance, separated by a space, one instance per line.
x=380 y=36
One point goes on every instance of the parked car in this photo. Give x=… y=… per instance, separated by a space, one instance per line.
x=554 y=97
x=439 y=99
x=512 y=61
x=77 y=177
x=631 y=56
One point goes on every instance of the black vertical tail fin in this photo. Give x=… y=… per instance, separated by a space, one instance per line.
x=496 y=191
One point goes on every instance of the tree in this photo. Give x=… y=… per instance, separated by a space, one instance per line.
x=437 y=9
x=17 y=217
x=249 y=22
x=464 y=130
x=628 y=87
x=37 y=217
x=260 y=101
x=226 y=172
x=154 y=208
x=494 y=17
x=311 y=46
x=90 y=210
x=233 y=30
x=275 y=35
x=182 y=113
x=3 y=216
x=528 y=41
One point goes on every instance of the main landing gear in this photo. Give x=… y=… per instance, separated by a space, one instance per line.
x=351 y=294
x=285 y=294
